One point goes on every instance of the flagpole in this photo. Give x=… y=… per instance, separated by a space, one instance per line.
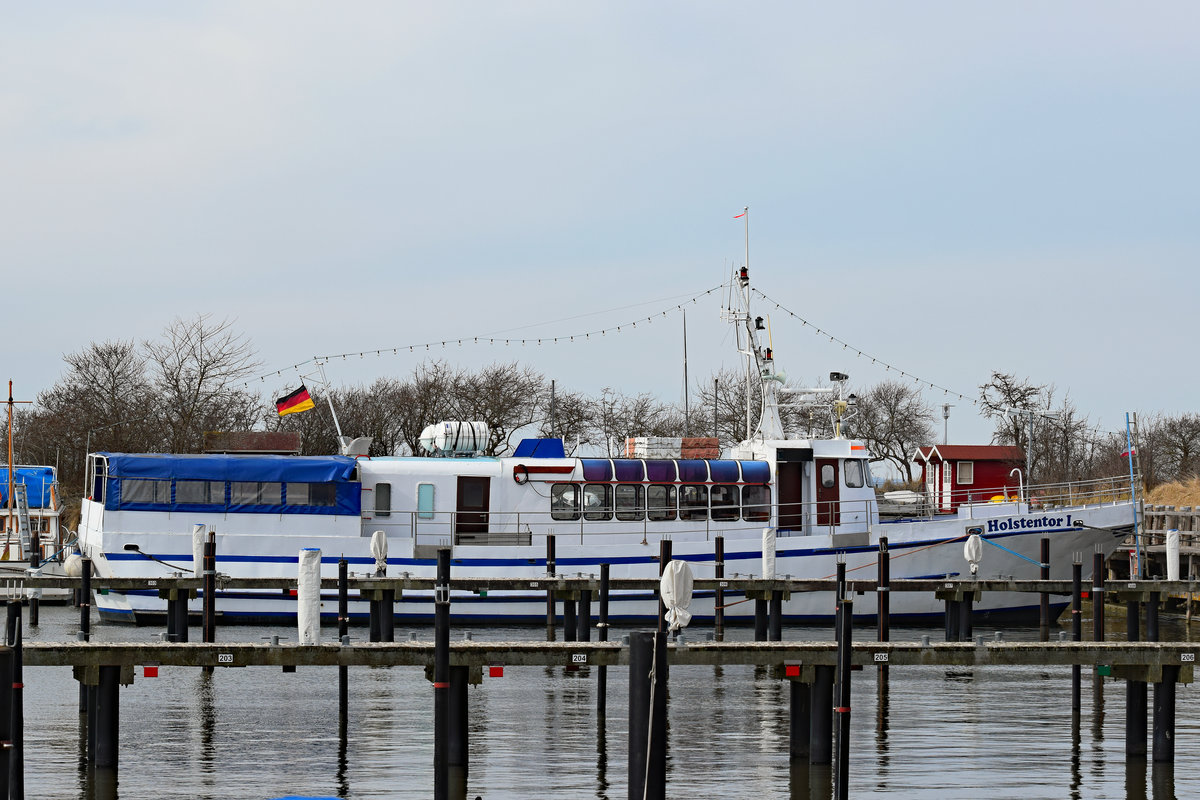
x=750 y=340
x=329 y=398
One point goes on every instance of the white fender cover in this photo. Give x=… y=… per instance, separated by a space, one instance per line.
x=308 y=596
x=379 y=549
x=198 y=550
x=768 y=554
x=675 y=587
x=973 y=551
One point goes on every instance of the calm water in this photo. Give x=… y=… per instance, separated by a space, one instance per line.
x=260 y=733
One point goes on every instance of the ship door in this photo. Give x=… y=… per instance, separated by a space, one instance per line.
x=827 y=492
x=471 y=521
x=791 y=497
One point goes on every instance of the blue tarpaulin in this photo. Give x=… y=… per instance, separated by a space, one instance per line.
x=37 y=480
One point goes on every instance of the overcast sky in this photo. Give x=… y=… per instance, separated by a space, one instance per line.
x=953 y=188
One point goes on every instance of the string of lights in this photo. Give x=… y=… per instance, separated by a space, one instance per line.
x=863 y=354
x=494 y=340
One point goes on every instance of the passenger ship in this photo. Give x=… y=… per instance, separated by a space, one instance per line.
x=813 y=497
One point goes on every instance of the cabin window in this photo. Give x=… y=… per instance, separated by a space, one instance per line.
x=724 y=502
x=631 y=502
x=424 y=500
x=383 y=499
x=854 y=473
x=564 y=501
x=200 y=493
x=966 y=472
x=311 y=494
x=255 y=493
x=144 y=490
x=597 y=501
x=828 y=476
x=693 y=501
x=660 y=502
x=756 y=503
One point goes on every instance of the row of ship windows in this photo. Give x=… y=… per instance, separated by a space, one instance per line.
x=659 y=502
x=233 y=493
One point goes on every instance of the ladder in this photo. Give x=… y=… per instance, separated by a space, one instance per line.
x=1136 y=488
x=21 y=497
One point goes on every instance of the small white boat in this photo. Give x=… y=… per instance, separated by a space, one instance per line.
x=813 y=498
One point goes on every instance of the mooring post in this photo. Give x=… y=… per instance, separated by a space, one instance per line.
x=550 y=634
x=181 y=614
x=441 y=677
x=884 y=600
x=799 y=719
x=1164 y=715
x=343 y=632
x=108 y=717
x=760 y=619
x=584 y=633
x=664 y=558
x=1152 y=618
x=16 y=727
x=965 y=605
x=719 y=599
x=210 y=589
x=953 y=619
x=820 y=740
x=458 y=744
x=1076 y=626
x=1098 y=597
x=841 y=775
x=6 y=680
x=373 y=618
x=85 y=620
x=1044 y=615
x=570 y=625
x=1135 y=691
x=647 y=715
x=775 y=623
x=602 y=635
x=35 y=561
x=387 y=615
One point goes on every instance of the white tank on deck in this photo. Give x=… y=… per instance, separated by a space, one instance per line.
x=454 y=438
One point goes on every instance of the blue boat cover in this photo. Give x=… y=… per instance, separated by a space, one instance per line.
x=336 y=470
x=37 y=480
x=164 y=466
x=540 y=448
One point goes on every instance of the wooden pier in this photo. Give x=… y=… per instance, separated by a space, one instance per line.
x=820 y=674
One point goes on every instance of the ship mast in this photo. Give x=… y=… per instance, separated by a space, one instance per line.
x=769 y=424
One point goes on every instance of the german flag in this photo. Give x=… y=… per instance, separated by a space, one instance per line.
x=294 y=403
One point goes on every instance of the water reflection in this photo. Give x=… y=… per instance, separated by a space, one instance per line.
x=601 y=760
x=809 y=781
x=1076 y=756
x=883 y=757
x=1162 y=778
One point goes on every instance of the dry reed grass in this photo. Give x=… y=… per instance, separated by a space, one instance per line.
x=1175 y=494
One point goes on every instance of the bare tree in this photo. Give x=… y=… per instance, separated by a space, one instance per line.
x=893 y=419
x=198 y=370
x=507 y=397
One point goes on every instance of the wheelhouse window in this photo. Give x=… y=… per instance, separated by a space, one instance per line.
x=255 y=493
x=311 y=494
x=144 y=490
x=854 y=473
x=200 y=493
x=597 y=501
x=756 y=503
x=966 y=472
x=724 y=499
x=564 y=501
x=383 y=499
x=693 y=501
x=631 y=502
x=660 y=502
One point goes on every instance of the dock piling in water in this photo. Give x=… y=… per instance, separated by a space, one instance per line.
x=1076 y=627
x=647 y=715
x=441 y=677
x=1044 y=606
x=602 y=636
x=719 y=601
x=884 y=601
x=550 y=615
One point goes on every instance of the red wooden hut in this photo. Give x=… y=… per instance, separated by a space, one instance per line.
x=958 y=474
